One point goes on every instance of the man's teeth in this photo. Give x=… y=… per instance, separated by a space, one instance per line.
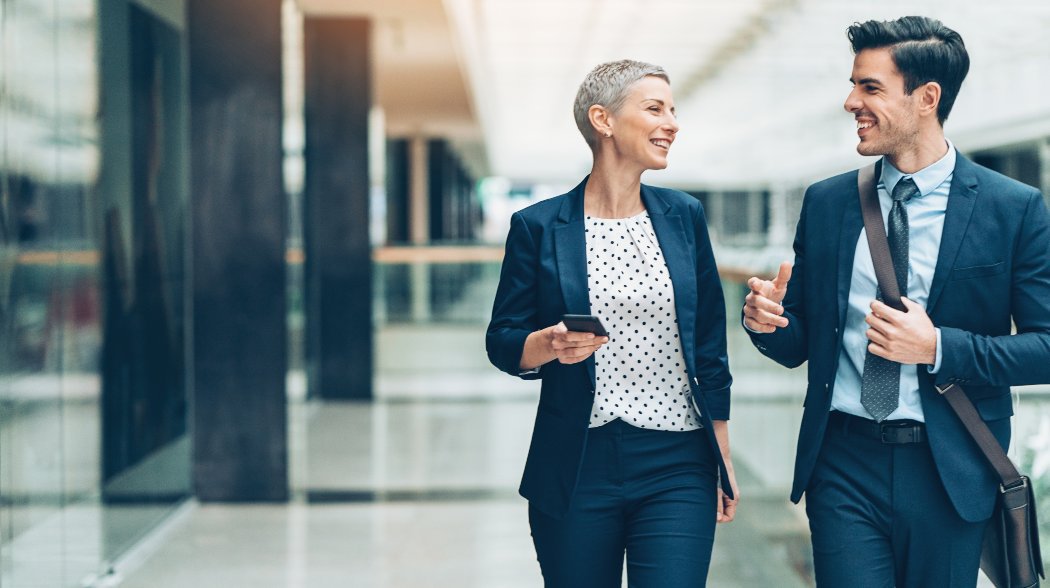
x=661 y=143
x=864 y=125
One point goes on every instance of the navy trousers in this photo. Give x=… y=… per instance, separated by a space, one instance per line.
x=651 y=494
x=880 y=517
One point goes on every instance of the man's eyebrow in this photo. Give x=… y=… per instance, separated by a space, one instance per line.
x=874 y=81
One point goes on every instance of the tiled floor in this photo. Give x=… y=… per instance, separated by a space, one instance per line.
x=418 y=489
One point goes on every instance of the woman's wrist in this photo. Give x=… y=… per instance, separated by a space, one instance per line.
x=538 y=349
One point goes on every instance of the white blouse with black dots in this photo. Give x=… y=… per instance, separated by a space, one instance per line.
x=640 y=373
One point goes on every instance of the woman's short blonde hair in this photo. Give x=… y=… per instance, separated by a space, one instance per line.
x=607 y=85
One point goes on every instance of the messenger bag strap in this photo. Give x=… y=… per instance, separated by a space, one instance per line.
x=875 y=229
x=957 y=399
x=980 y=432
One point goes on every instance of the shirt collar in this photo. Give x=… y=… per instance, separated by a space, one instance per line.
x=926 y=179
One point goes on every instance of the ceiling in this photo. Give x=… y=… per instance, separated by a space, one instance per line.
x=759 y=84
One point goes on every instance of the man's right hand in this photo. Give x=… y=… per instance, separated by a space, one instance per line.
x=762 y=306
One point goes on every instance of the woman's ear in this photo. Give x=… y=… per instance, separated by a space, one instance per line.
x=600 y=120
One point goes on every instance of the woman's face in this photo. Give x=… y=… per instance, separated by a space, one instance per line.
x=645 y=126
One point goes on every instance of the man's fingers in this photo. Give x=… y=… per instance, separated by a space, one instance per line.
x=759 y=327
x=879 y=350
x=759 y=302
x=759 y=286
x=783 y=276
x=766 y=318
x=877 y=337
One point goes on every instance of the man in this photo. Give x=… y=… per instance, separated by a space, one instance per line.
x=897 y=492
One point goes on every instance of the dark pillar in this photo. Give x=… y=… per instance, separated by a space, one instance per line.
x=397 y=191
x=338 y=265
x=238 y=251
x=437 y=170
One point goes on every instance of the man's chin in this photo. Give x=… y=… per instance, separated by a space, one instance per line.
x=868 y=149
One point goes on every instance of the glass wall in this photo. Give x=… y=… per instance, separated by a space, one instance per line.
x=93 y=450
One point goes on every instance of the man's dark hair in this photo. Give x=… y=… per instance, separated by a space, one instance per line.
x=923 y=49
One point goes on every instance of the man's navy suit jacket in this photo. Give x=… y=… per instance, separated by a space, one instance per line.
x=544 y=276
x=993 y=268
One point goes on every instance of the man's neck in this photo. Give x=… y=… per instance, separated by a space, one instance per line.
x=928 y=150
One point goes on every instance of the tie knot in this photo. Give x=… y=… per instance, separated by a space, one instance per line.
x=905 y=190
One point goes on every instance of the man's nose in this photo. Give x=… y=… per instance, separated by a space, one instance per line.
x=852 y=104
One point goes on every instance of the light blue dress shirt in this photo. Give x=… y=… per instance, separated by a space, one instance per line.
x=925 y=225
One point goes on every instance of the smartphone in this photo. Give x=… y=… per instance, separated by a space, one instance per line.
x=584 y=323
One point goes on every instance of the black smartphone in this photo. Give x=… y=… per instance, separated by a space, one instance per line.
x=584 y=323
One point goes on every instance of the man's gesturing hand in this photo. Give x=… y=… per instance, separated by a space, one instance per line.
x=762 y=309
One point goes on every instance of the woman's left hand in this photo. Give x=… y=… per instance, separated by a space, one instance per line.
x=726 y=505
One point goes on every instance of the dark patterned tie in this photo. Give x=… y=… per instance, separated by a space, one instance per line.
x=881 y=380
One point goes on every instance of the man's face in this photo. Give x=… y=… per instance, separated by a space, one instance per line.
x=887 y=118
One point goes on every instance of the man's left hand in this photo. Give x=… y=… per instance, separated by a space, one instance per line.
x=905 y=337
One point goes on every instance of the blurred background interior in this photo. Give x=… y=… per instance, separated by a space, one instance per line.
x=248 y=249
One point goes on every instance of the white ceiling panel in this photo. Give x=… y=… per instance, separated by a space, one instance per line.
x=759 y=84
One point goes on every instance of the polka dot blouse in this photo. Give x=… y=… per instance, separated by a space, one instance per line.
x=640 y=373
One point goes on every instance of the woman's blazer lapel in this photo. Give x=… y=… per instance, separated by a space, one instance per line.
x=570 y=245
x=570 y=251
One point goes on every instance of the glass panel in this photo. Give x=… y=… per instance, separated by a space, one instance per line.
x=90 y=276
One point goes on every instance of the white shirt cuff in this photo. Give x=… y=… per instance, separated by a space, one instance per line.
x=936 y=367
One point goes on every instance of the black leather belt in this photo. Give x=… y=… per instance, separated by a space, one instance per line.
x=890 y=432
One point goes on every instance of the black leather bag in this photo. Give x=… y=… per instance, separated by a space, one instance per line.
x=1010 y=556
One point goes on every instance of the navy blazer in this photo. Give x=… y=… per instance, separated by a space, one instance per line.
x=544 y=276
x=993 y=267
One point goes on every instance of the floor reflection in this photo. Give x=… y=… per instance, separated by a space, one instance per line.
x=419 y=487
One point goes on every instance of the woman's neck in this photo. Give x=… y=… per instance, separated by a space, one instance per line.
x=612 y=192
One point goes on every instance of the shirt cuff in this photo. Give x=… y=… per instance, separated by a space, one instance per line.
x=936 y=367
x=743 y=323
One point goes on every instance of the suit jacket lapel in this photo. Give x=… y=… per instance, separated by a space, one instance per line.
x=849 y=234
x=681 y=265
x=961 y=199
x=570 y=250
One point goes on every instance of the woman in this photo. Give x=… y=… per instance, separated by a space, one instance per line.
x=631 y=434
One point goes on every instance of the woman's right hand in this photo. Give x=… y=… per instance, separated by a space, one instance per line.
x=559 y=343
x=573 y=346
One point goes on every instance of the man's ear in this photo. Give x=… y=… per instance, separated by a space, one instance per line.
x=929 y=98
x=600 y=120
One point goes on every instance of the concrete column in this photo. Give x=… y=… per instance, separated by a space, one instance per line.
x=338 y=269
x=237 y=205
x=419 y=192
